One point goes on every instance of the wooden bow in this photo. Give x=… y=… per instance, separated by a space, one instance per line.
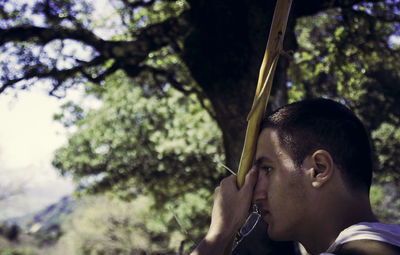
x=264 y=84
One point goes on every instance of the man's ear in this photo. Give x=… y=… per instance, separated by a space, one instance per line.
x=323 y=168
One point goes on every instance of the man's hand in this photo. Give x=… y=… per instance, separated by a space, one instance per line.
x=231 y=207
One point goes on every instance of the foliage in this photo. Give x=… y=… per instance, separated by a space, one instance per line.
x=70 y=42
x=348 y=55
x=387 y=145
x=386 y=203
x=22 y=247
x=137 y=143
x=163 y=145
x=150 y=147
x=74 y=111
x=14 y=251
x=345 y=51
x=104 y=224
x=10 y=232
x=48 y=55
x=341 y=48
x=34 y=234
x=107 y=225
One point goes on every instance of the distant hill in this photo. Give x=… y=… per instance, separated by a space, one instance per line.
x=45 y=224
x=53 y=214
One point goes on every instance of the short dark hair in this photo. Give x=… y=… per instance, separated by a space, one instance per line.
x=306 y=126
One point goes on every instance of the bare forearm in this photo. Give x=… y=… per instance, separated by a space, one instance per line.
x=213 y=245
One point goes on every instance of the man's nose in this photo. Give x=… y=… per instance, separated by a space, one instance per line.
x=260 y=190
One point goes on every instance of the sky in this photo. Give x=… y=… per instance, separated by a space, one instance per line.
x=28 y=139
x=29 y=136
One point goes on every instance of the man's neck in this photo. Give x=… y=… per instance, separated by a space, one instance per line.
x=328 y=225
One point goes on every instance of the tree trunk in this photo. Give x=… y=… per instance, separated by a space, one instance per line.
x=224 y=53
x=224 y=56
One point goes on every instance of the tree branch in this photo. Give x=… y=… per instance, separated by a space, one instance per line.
x=42 y=36
x=127 y=55
x=171 y=77
x=56 y=74
x=137 y=4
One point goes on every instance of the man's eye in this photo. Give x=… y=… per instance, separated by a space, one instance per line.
x=265 y=169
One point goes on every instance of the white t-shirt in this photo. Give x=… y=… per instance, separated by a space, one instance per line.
x=387 y=233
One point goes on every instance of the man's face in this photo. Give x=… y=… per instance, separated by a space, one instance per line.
x=280 y=189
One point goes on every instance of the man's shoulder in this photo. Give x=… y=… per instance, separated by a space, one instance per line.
x=367 y=247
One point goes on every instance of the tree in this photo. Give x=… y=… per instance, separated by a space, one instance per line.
x=349 y=56
x=213 y=50
x=146 y=147
x=102 y=225
x=221 y=44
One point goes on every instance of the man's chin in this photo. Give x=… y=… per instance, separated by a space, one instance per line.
x=275 y=235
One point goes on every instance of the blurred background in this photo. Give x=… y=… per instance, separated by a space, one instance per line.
x=114 y=114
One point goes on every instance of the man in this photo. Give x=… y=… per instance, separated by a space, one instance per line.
x=311 y=181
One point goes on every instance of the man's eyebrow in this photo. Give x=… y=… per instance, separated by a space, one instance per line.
x=261 y=160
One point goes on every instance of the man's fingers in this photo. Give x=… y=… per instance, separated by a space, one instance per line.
x=251 y=179
x=228 y=180
x=226 y=184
